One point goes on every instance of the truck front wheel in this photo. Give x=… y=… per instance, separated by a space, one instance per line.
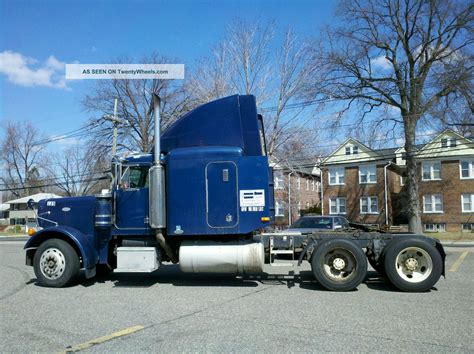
x=56 y=263
x=339 y=265
x=413 y=264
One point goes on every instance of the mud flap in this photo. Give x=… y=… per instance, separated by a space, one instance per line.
x=440 y=249
x=90 y=273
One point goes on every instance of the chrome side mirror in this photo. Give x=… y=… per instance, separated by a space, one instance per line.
x=31 y=204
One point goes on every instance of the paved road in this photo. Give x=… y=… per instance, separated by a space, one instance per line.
x=286 y=310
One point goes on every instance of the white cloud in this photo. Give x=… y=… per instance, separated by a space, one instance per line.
x=380 y=63
x=25 y=71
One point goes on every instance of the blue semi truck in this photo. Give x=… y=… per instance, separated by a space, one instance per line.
x=200 y=199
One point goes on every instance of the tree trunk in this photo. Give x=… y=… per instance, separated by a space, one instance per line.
x=414 y=213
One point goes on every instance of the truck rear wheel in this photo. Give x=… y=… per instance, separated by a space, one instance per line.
x=56 y=263
x=413 y=264
x=339 y=265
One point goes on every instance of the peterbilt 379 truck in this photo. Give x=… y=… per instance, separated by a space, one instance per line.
x=199 y=199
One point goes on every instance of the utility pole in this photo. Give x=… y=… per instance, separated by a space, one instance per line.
x=115 y=120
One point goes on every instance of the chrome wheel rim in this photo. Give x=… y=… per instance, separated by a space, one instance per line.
x=339 y=265
x=52 y=263
x=413 y=264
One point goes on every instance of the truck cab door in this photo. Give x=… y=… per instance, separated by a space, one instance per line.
x=131 y=199
x=221 y=194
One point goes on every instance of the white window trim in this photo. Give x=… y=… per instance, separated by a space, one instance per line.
x=431 y=171
x=369 y=205
x=278 y=205
x=360 y=174
x=471 y=169
x=307 y=184
x=298 y=183
x=338 y=206
x=336 y=171
x=432 y=196
x=472 y=203
x=425 y=229
x=279 y=180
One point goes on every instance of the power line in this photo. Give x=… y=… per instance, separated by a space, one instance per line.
x=51 y=185
x=383 y=157
x=64 y=179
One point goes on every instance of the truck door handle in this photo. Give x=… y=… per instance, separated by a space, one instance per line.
x=225 y=175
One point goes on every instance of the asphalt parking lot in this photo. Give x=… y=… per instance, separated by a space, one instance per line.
x=282 y=310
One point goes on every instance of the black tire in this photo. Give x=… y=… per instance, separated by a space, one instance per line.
x=413 y=264
x=55 y=263
x=326 y=260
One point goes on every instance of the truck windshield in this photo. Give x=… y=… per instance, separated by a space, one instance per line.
x=313 y=223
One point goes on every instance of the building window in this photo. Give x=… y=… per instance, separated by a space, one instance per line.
x=467 y=202
x=307 y=184
x=369 y=205
x=354 y=150
x=299 y=208
x=338 y=205
x=435 y=227
x=279 y=181
x=431 y=171
x=279 y=208
x=433 y=203
x=318 y=184
x=336 y=176
x=307 y=205
x=468 y=227
x=451 y=142
x=467 y=169
x=312 y=185
x=298 y=183
x=368 y=174
x=402 y=181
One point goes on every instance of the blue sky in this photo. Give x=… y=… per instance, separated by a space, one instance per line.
x=46 y=34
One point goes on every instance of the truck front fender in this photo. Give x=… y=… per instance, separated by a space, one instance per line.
x=83 y=244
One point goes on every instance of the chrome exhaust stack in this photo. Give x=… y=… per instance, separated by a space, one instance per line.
x=157 y=201
x=157 y=193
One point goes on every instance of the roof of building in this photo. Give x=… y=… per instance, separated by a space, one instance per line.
x=304 y=165
x=36 y=197
x=431 y=149
x=386 y=152
x=4 y=207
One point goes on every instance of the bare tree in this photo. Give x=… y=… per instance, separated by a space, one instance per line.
x=240 y=63
x=78 y=173
x=403 y=54
x=243 y=63
x=135 y=108
x=294 y=71
x=21 y=155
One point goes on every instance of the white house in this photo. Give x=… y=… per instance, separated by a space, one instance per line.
x=19 y=212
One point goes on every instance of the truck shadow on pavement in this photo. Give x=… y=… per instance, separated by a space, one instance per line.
x=171 y=274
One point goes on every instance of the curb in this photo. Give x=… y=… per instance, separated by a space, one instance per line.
x=458 y=243
x=14 y=238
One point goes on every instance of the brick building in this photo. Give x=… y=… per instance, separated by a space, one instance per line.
x=297 y=188
x=367 y=185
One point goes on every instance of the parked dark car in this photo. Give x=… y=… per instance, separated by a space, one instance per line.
x=308 y=224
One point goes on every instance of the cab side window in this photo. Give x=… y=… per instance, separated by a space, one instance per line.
x=135 y=177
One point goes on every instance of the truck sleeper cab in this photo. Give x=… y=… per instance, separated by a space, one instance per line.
x=198 y=199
